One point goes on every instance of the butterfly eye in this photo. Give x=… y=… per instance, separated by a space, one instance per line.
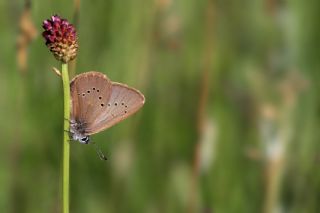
x=85 y=139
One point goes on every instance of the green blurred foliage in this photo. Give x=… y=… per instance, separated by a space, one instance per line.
x=230 y=122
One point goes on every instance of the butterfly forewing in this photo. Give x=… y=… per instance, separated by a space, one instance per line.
x=123 y=102
x=88 y=92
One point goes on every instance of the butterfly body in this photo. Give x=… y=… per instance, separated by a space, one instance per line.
x=77 y=132
x=98 y=103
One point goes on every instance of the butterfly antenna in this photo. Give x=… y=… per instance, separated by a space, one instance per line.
x=99 y=152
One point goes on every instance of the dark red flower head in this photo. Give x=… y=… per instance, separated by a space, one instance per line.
x=61 y=38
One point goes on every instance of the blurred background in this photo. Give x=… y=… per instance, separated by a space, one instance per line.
x=230 y=124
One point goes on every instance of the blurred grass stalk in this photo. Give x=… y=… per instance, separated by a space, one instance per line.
x=276 y=131
x=202 y=114
x=27 y=33
x=76 y=12
x=66 y=145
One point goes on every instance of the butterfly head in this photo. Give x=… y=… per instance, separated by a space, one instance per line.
x=85 y=140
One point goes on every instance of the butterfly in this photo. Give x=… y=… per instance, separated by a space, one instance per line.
x=97 y=103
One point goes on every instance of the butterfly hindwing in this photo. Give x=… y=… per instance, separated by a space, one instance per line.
x=123 y=102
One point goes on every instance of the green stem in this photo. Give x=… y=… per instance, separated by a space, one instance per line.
x=66 y=145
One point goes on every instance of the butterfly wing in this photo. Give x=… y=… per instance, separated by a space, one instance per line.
x=88 y=91
x=123 y=102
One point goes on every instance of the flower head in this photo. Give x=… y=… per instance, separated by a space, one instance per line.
x=61 y=38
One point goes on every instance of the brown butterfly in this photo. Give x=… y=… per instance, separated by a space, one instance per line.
x=98 y=103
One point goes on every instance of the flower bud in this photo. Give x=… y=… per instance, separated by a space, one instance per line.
x=61 y=38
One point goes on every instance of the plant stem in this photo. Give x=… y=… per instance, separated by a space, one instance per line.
x=66 y=145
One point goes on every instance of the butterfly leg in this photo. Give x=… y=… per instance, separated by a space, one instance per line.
x=69 y=140
x=70 y=133
x=70 y=121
